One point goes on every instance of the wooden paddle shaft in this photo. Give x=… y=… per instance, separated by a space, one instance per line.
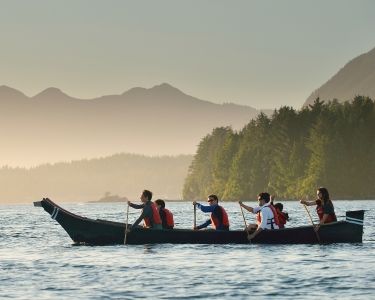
x=244 y=220
x=195 y=216
x=243 y=216
x=126 y=225
x=312 y=222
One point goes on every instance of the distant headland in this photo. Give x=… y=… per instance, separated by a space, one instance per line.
x=110 y=199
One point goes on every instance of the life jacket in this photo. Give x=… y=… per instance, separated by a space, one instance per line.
x=219 y=218
x=274 y=220
x=155 y=216
x=283 y=218
x=320 y=212
x=169 y=217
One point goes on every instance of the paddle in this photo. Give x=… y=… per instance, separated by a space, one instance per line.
x=317 y=235
x=195 y=216
x=243 y=216
x=126 y=225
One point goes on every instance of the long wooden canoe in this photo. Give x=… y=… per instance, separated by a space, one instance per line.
x=101 y=232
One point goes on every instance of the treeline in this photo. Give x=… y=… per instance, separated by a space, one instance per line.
x=83 y=180
x=289 y=154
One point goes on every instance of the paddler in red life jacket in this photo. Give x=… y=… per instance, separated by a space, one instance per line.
x=165 y=215
x=219 y=217
x=283 y=216
x=324 y=207
x=149 y=213
x=266 y=215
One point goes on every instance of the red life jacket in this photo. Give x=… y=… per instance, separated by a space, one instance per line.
x=169 y=215
x=274 y=220
x=283 y=218
x=216 y=222
x=320 y=212
x=155 y=216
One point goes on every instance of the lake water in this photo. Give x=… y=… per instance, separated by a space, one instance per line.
x=38 y=260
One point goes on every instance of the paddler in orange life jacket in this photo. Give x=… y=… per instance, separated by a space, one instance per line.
x=165 y=215
x=219 y=217
x=324 y=207
x=149 y=214
x=266 y=215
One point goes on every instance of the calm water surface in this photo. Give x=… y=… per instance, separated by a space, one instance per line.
x=38 y=260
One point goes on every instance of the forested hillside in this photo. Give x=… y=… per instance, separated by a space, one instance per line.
x=290 y=154
x=80 y=181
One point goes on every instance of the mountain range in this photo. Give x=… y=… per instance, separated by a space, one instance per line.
x=357 y=77
x=52 y=126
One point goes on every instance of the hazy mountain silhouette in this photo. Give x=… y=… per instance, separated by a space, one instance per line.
x=357 y=77
x=52 y=126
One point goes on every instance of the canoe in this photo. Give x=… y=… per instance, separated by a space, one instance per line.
x=100 y=232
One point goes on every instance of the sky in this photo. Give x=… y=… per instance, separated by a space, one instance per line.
x=265 y=54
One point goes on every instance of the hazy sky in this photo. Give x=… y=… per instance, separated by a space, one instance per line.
x=260 y=53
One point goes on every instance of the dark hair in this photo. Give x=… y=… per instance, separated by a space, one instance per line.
x=279 y=206
x=147 y=193
x=213 y=196
x=324 y=192
x=265 y=196
x=160 y=202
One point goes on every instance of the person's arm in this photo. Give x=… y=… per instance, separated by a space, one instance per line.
x=308 y=203
x=248 y=208
x=325 y=216
x=147 y=211
x=204 y=225
x=136 y=206
x=203 y=208
x=272 y=197
x=262 y=225
x=251 y=236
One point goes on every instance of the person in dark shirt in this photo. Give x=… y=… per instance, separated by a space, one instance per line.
x=165 y=215
x=149 y=214
x=218 y=218
x=324 y=207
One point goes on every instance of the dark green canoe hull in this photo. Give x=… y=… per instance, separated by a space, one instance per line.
x=101 y=232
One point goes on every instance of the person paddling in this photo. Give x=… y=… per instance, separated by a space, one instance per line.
x=149 y=213
x=324 y=207
x=266 y=215
x=219 y=217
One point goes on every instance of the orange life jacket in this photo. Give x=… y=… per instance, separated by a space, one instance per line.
x=155 y=216
x=274 y=220
x=320 y=212
x=283 y=218
x=218 y=219
x=169 y=216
